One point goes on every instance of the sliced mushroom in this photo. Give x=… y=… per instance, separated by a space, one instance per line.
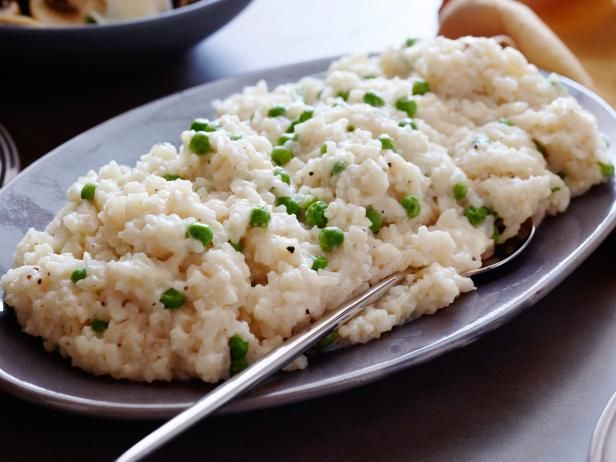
x=180 y=3
x=121 y=10
x=9 y=8
x=100 y=6
x=59 y=12
x=19 y=20
x=10 y=15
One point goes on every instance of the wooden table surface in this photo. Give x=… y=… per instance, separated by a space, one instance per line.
x=530 y=391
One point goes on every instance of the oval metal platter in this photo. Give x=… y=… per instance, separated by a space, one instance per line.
x=34 y=196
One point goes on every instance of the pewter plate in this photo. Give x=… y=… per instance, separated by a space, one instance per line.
x=31 y=199
x=603 y=443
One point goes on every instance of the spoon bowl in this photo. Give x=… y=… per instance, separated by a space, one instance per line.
x=509 y=250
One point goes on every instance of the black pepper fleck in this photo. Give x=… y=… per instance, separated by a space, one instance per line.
x=29 y=276
x=291 y=249
x=310 y=173
x=389 y=164
x=39 y=281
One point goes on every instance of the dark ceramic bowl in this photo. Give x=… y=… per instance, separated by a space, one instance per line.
x=162 y=34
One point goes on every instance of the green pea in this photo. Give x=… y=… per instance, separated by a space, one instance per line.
x=459 y=191
x=171 y=177
x=91 y=20
x=412 y=205
x=407 y=123
x=98 y=325
x=331 y=238
x=291 y=205
x=496 y=234
x=505 y=122
x=343 y=94
x=498 y=227
x=323 y=148
x=476 y=215
x=78 y=275
x=376 y=220
x=199 y=125
x=408 y=105
x=200 y=232
x=172 y=299
x=607 y=169
x=282 y=173
x=306 y=115
x=338 y=168
x=319 y=262
x=276 y=111
x=307 y=201
x=326 y=341
x=303 y=117
x=238 y=366
x=387 y=143
x=281 y=156
x=200 y=143
x=315 y=214
x=238 y=347
x=373 y=99
x=410 y=42
x=237 y=246
x=259 y=217
x=286 y=137
x=203 y=125
x=88 y=190
x=421 y=87
x=540 y=147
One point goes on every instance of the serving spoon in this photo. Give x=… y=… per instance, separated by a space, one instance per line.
x=298 y=344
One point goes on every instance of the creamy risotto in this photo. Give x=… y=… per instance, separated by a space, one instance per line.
x=199 y=260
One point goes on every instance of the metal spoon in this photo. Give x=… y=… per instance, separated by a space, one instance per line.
x=291 y=349
x=9 y=159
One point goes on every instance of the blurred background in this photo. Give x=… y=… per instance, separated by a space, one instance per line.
x=510 y=396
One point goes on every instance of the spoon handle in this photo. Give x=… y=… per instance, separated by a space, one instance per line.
x=260 y=370
x=279 y=358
